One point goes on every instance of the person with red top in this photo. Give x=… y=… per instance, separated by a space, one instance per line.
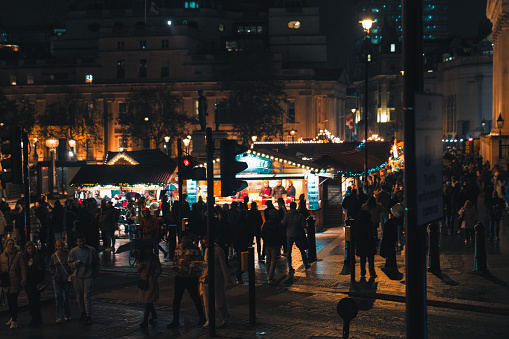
x=149 y=227
x=265 y=191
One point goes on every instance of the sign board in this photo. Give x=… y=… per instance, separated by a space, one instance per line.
x=191 y=192
x=313 y=192
x=428 y=151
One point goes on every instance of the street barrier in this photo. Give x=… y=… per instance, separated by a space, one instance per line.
x=480 y=265
x=252 y=296
x=351 y=249
x=347 y=246
x=434 y=255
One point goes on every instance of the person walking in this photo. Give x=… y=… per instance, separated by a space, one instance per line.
x=255 y=222
x=468 y=217
x=13 y=278
x=149 y=268
x=295 y=226
x=61 y=273
x=107 y=223
x=35 y=275
x=57 y=220
x=222 y=279
x=390 y=236
x=84 y=262
x=496 y=209
x=272 y=241
x=3 y=224
x=365 y=245
x=186 y=278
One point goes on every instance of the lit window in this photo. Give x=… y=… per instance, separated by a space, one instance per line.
x=13 y=80
x=120 y=44
x=221 y=27
x=143 y=44
x=30 y=79
x=89 y=78
x=294 y=24
x=393 y=48
x=165 y=43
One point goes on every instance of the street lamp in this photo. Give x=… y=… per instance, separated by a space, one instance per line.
x=292 y=132
x=483 y=124
x=72 y=144
x=500 y=125
x=366 y=25
x=166 y=146
x=186 y=142
x=52 y=144
x=36 y=156
x=253 y=138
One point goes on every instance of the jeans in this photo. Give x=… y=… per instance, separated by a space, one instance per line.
x=149 y=308
x=83 y=290
x=12 y=301
x=191 y=285
x=63 y=301
x=271 y=260
x=371 y=264
x=299 y=242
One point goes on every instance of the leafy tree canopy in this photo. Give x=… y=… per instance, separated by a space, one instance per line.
x=153 y=113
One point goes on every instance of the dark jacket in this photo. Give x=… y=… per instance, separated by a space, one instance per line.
x=57 y=218
x=294 y=224
x=390 y=237
x=271 y=234
x=365 y=242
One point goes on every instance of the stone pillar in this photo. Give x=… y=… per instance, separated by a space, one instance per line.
x=497 y=12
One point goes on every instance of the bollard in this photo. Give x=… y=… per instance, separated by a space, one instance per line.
x=252 y=299
x=347 y=309
x=311 y=239
x=351 y=252
x=347 y=246
x=480 y=265
x=434 y=255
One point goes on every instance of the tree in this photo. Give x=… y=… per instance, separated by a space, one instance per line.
x=17 y=112
x=152 y=113
x=255 y=96
x=72 y=118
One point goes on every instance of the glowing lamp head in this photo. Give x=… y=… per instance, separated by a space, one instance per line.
x=186 y=162
x=366 y=24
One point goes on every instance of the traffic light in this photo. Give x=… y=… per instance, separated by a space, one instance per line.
x=12 y=159
x=230 y=167
x=186 y=168
x=188 y=171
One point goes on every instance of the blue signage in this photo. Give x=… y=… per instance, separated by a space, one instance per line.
x=255 y=164
x=191 y=192
x=313 y=192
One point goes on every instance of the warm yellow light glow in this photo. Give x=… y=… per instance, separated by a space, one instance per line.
x=366 y=24
x=72 y=143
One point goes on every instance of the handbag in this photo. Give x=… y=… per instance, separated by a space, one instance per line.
x=42 y=286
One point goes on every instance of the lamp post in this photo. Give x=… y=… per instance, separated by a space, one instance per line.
x=354 y=118
x=72 y=144
x=36 y=156
x=186 y=142
x=52 y=144
x=292 y=132
x=253 y=138
x=166 y=144
x=483 y=124
x=500 y=125
x=366 y=25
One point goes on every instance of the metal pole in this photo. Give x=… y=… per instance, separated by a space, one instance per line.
x=500 y=144
x=26 y=182
x=252 y=292
x=210 y=233
x=416 y=313
x=180 y=183
x=366 y=94
x=434 y=254
x=311 y=240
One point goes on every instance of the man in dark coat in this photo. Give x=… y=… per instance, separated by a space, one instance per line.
x=295 y=226
x=255 y=222
x=365 y=243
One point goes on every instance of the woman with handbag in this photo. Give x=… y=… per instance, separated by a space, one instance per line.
x=13 y=276
x=61 y=273
x=35 y=282
x=149 y=268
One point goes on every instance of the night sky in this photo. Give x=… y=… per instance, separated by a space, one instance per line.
x=337 y=20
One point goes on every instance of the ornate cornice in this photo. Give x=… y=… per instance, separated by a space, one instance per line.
x=497 y=12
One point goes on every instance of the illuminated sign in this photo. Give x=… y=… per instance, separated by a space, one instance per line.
x=313 y=192
x=255 y=163
x=191 y=192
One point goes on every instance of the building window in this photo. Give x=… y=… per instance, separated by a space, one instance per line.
x=143 y=44
x=393 y=48
x=120 y=69
x=192 y=4
x=120 y=44
x=13 y=80
x=30 y=79
x=290 y=111
x=165 y=44
x=142 y=66
x=122 y=110
x=221 y=27
x=165 y=68
x=89 y=78
x=294 y=24
x=232 y=46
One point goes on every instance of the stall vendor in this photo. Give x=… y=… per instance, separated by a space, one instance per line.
x=265 y=191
